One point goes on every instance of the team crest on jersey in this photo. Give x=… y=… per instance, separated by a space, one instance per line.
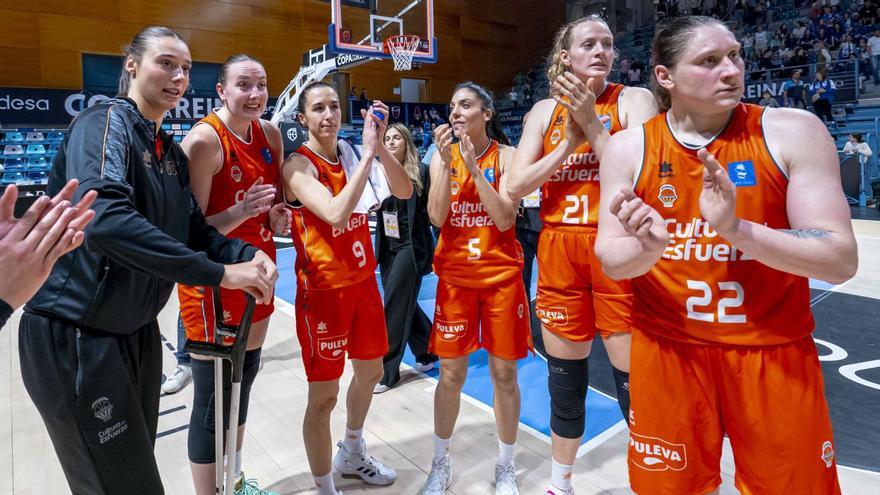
x=665 y=171
x=450 y=331
x=555 y=136
x=489 y=174
x=236 y=174
x=742 y=173
x=560 y=119
x=552 y=316
x=267 y=155
x=828 y=454
x=454 y=187
x=656 y=454
x=606 y=121
x=667 y=195
x=453 y=172
x=332 y=347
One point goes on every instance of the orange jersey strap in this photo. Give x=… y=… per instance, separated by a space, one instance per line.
x=703 y=289
x=570 y=197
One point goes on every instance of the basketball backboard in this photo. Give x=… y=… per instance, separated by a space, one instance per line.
x=359 y=27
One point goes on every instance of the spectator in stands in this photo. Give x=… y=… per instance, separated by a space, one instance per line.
x=513 y=96
x=768 y=100
x=855 y=144
x=847 y=48
x=874 y=50
x=30 y=245
x=798 y=32
x=793 y=91
x=864 y=55
x=364 y=99
x=762 y=39
x=748 y=44
x=822 y=90
x=823 y=56
x=798 y=58
x=634 y=75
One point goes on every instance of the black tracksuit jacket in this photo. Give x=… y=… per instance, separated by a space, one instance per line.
x=148 y=231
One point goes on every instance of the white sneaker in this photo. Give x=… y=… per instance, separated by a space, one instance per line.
x=379 y=388
x=505 y=480
x=182 y=375
x=439 y=479
x=362 y=465
x=552 y=490
x=423 y=367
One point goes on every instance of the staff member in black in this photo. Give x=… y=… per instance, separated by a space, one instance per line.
x=91 y=356
x=405 y=251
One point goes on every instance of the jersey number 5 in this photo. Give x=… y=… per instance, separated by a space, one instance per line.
x=474 y=252
x=576 y=210
x=724 y=303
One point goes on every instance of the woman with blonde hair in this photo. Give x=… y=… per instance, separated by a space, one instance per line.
x=405 y=250
x=559 y=151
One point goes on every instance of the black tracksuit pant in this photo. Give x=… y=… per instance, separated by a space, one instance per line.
x=407 y=323
x=98 y=394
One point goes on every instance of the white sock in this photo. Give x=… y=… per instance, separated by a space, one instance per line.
x=237 y=470
x=505 y=453
x=441 y=447
x=560 y=475
x=353 y=439
x=325 y=484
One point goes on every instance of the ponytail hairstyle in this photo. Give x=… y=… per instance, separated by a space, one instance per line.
x=670 y=41
x=411 y=158
x=136 y=50
x=493 y=126
x=562 y=41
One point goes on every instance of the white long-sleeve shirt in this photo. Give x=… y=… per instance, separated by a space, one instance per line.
x=862 y=148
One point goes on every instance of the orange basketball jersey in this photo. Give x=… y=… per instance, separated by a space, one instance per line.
x=243 y=163
x=704 y=290
x=471 y=251
x=570 y=197
x=328 y=257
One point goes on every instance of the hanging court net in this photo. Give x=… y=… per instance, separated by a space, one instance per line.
x=402 y=48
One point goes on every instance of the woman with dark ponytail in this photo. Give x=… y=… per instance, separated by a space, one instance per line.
x=481 y=300
x=91 y=355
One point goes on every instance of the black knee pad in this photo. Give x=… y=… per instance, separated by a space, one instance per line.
x=621 y=380
x=200 y=441
x=567 y=383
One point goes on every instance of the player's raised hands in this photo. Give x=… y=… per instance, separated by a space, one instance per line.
x=640 y=220
x=443 y=138
x=718 y=197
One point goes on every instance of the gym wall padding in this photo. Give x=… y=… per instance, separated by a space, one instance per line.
x=488 y=41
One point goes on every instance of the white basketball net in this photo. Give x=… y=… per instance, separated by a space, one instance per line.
x=402 y=48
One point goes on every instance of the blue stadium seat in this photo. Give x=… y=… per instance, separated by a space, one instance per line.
x=12 y=178
x=38 y=163
x=13 y=137
x=14 y=164
x=38 y=177
x=35 y=150
x=34 y=136
x=55 y=136
x=13 y=150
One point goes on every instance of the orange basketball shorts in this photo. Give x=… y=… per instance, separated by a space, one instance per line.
x=575 y=297
x=769 y=400
x=335 y=322
x=495 y=318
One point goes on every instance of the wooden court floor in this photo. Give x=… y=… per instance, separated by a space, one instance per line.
x=398 y=430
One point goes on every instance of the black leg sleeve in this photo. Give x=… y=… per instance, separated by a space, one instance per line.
x=90 y=389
